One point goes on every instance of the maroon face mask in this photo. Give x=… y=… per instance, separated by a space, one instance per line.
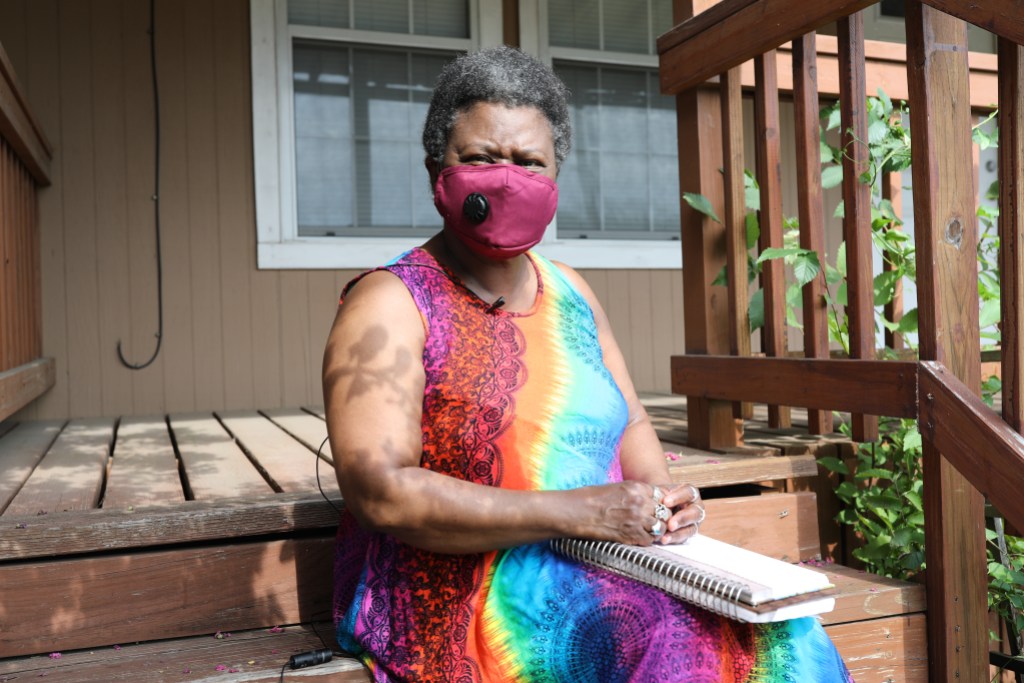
x=497 y=210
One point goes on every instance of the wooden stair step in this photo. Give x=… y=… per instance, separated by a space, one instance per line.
x=254 y=656
x=215 y=467
x=878 y=626
x=21 y=449
x=144 y=468
x=704 y=469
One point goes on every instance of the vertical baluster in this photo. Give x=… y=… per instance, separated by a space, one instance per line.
x=735 y=221
x=710 y=423
x=856 y=203
x=1011 y=225
x=810 y=207
x=892 y=189
x=769 y=176
x=945 y=228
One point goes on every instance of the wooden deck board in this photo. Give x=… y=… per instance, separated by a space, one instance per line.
x=244 y=656
x=713 y=469
x=215 y=467
x=21 y=449
x=144 y=468
x=110 y=599
x=309 y=429
x=71 y=474
x=288 y=463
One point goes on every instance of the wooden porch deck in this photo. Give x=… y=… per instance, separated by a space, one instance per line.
x=146 y=529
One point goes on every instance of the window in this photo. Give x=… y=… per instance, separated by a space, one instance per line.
x=622 y=179
x=341 y=89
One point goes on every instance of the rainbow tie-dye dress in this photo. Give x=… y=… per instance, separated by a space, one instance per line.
x=524 y=401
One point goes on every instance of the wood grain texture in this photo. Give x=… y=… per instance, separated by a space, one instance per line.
x=256 y=655
x=71 y=475
x=21 y=449
x=21 y=385
x=1011 y=229
x=810 y=206
x=289 y=465
x=945 y=227
x=691 y=54
x=861 y=595
x=311 y=430
x=893 y=649
x=213 y=465
x=190 y=522
x=106 y=600
x=767 y=148
x=984 y=448
x=1001 y=17
x=787 y=527
x=144 y=468
x=19 y=127
x=722 y=469
x=886 y=387
x=856 y=203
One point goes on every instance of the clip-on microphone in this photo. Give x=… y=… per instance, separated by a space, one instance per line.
x=498 y=303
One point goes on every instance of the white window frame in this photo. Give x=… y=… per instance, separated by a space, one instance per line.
x=278 y=244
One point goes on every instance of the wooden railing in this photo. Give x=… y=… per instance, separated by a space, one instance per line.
x=969 y=451
x=24 y=167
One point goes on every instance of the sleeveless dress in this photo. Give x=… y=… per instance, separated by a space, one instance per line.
x=524 y=401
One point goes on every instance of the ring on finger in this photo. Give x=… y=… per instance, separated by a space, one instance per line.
x=657 y=495
x=696 y=492
x=661 y=512
x=703 y=514
x=658 y=530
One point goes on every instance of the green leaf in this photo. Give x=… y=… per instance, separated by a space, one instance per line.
x=834 y=464
x=873 y=473
x=841 y=258
x=757 y=310
x=831 y=176
x=840 y=211
x=806 y=267
x=883 y=502
x=886 y=102
x=903 y=537
x=885 y=286
x=722 y=279
x=772 y=253
x=908 y=323
x=834 y=119
x=701 y=203
x=989 y=314
x=915 y=499
x=877 y=130
x=753 y=229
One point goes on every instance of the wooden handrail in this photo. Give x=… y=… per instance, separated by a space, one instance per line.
x=973 y=437
x=855 y=386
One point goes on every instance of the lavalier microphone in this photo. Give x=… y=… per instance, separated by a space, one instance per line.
x=498 y=303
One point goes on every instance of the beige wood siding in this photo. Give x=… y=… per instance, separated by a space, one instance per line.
x=234 y=336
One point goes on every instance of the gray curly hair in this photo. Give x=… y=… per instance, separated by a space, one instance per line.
x=502 y=75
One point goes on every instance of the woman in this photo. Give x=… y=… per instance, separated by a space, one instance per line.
x=478 y=406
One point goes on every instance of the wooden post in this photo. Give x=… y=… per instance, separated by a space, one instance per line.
x=1011 y=226
x=946 y=234
x=811 y=207
x=710 y=424
x=735 y=214
x=769 y=177
x=856 y=203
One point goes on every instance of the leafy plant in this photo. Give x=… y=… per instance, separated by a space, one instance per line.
x=882 y=487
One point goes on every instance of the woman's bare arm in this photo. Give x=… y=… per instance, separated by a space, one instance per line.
x=641 y=453
x=373 y=389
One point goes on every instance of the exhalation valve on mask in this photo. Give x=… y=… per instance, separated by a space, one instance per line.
x=476 y=207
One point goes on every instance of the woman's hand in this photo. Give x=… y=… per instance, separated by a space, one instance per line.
x=628 y=512
x=685 y=512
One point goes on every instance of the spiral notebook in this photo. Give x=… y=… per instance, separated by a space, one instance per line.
x=722 y=578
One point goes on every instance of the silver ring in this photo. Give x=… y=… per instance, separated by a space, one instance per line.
x=661 y=512
x=658 y=530
x=703 y=514
x=696 y=492
x=657 y=495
